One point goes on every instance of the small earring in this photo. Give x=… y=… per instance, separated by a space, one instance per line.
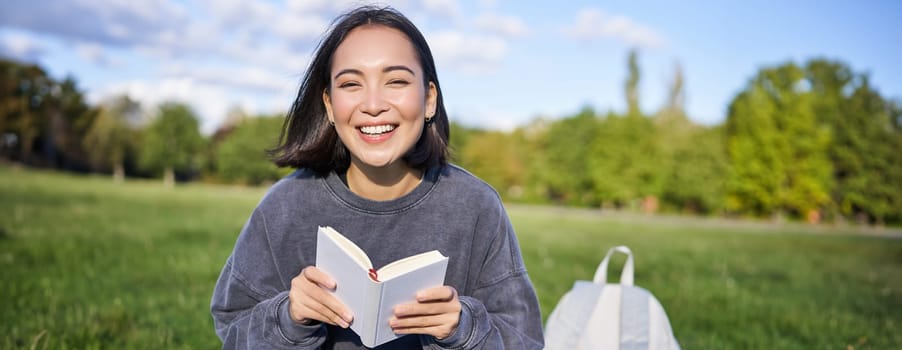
x=429 y=119
x=332 y=123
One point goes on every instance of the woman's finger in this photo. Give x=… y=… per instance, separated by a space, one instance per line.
x=437 y=294
x=310 y=299
x=317 y=276
x=439 y=326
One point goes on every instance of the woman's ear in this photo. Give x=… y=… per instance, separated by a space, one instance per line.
x=431 y=99
x=327 y=102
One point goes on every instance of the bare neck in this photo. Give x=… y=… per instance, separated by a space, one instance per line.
x=382 y=183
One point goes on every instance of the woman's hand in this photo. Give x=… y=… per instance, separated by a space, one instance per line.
x=311 y=299
x=436 y=313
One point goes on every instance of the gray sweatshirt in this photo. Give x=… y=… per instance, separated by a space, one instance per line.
x=450 y=210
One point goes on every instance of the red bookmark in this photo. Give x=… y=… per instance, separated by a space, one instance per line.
x=373 y=275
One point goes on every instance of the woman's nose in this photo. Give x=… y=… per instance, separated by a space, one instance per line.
x=374 y=103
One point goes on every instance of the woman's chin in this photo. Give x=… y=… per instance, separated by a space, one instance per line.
x=378 y=162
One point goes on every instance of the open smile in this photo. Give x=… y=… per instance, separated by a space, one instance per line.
x=375 y=130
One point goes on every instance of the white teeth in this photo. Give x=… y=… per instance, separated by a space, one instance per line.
x=377 y=129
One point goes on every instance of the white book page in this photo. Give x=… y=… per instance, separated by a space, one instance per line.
x=354 y=287
x=403 y=289
x=349 y=247
x=405 y=265
x=373 y=302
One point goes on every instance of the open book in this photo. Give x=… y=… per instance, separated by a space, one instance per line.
x=372 y=294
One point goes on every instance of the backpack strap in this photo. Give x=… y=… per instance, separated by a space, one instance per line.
x=626 y=276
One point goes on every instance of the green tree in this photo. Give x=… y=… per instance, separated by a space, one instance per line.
x=894 y=109
x=70 y=118
x=777 y=148
x=492 y=157
x=567 y=174
x=866 y=154
x=460 y=136
x=672 y=122
x=624 y=161
x=691 y=159
x=694 y=180
x=110 y=138
x=625 y=158
x=532 y=149
x=234 y=116
x=241 y=156
x=42 y=120
x=864 y=145
x=172 y=142
x=632 y=84
x=25 y=99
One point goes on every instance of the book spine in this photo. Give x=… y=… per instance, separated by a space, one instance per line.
x=382 y=315
x=371 y=315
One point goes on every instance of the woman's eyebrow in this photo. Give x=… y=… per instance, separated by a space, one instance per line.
x=347 y=71
x=384 y=70
x=399 y=67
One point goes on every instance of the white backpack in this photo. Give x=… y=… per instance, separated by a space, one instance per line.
x=599 y=315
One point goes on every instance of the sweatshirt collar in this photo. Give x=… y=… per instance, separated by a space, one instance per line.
x=340 y=190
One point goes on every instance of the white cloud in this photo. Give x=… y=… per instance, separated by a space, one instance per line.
x=210 y=102
x=591 y=24
x=20 y=46
x=238 y=14
x=276 y=57
x=196 y=38
x=508 y=26
x=300 y=27
x=250 y=78
x=123 y=23
x=468 y=53
x=338 y=6
x=164 y=28
x=225 y=52
x=150 y=10
x=333 y=7
x=442 y=8
x=306 y=6
x=494 y=119
x=202 y=97
x=92 y=52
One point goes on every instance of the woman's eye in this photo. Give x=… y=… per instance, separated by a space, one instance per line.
x=398 y=82
x=348 y=84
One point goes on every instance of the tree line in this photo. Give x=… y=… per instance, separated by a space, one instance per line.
x=47 y=123
x=813 y=141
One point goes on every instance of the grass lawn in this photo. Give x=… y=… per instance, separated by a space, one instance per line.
x=88 y=264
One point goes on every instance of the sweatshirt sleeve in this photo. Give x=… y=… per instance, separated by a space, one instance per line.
x=250 y=301
x=502 y=311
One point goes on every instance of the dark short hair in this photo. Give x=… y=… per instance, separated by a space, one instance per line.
x=308 y=140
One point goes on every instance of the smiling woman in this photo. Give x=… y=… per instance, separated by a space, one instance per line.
x=378 y=102
x=368 y=133
x=309 y=140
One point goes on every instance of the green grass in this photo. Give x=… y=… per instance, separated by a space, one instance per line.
x=88 y=264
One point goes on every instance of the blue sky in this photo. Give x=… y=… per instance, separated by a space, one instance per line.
x=501 y=63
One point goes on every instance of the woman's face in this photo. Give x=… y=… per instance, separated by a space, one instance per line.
x=377 y=98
